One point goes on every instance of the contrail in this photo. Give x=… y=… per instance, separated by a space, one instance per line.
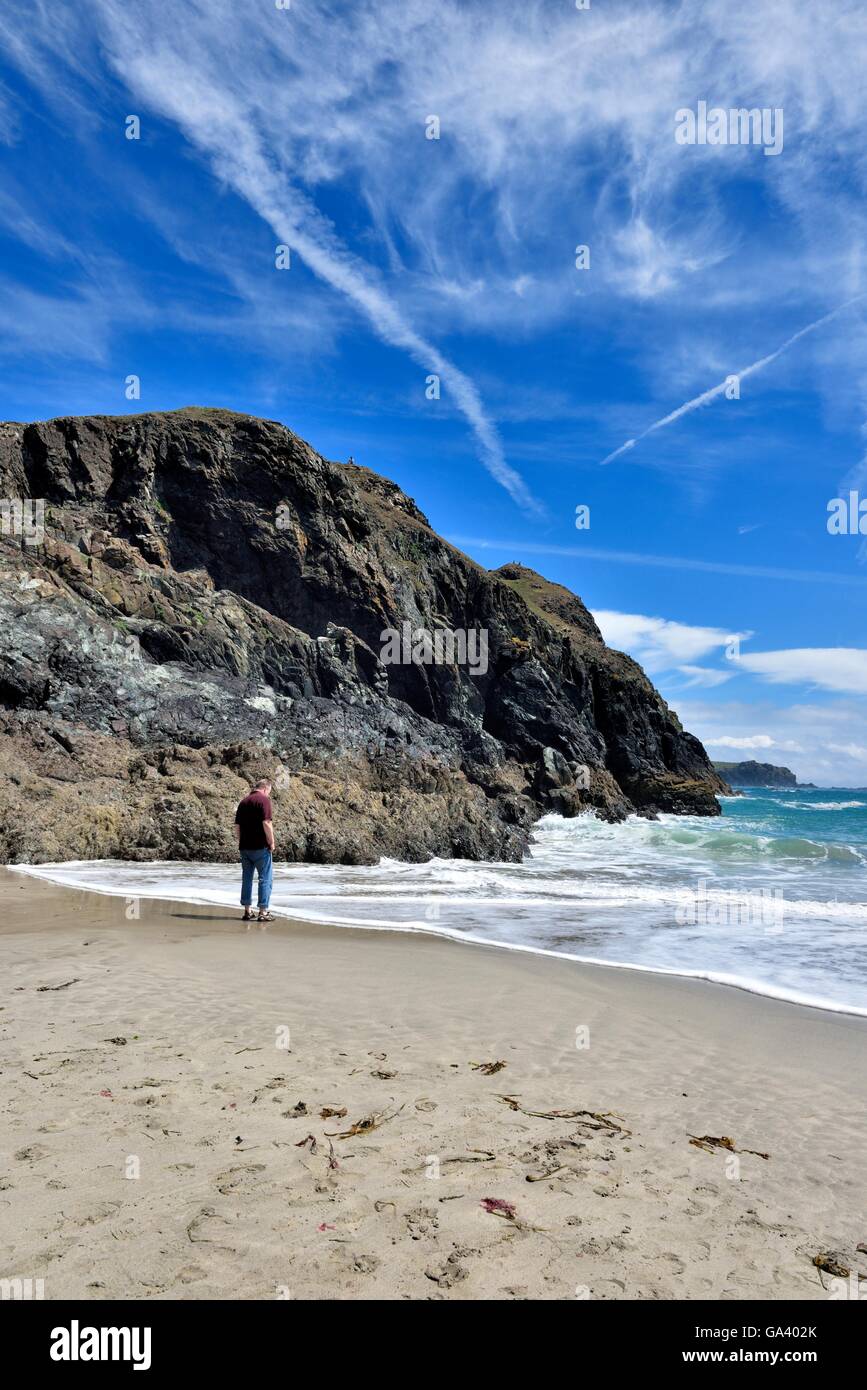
x=707 y=396
x=511 y=548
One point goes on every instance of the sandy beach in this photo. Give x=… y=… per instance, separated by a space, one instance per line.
x=164 y=1082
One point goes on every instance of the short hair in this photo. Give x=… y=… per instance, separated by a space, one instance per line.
x=264 y=782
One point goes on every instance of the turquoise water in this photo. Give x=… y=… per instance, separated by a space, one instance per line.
x=833 y=818
x=772 y=896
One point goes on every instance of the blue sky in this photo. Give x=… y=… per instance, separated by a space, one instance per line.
x=412 y=256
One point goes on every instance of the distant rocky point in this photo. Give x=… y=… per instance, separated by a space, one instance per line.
x=753 y=774
x=197 y=597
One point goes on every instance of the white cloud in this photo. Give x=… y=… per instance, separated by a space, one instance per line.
x=659 y=643
x=671 y=649
x=747 y=742
x=842 y=669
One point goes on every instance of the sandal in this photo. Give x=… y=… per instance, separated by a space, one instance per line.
x=248 y=916
x=265 y=917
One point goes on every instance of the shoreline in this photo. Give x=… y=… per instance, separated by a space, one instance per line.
x=154 y=1045
x=707 y=977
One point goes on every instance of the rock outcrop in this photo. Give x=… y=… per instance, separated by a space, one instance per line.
x=207 y=601
x=753 y=774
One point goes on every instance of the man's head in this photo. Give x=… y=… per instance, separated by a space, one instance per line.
x=264 y=785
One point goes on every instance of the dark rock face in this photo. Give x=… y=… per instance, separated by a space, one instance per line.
x=753 y=774
x=208 y=603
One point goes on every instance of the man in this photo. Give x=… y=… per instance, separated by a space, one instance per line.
x=254 y=834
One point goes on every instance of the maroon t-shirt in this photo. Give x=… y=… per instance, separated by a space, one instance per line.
x=252 y=812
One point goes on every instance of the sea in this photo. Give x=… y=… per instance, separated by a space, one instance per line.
x=770 y=897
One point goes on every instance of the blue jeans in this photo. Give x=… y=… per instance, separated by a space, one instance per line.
x=260 y=860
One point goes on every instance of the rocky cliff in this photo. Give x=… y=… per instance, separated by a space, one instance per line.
x=753 y=774
x=207 y=601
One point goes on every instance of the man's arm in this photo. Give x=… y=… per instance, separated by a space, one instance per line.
x=268 y=824
x=237 y=829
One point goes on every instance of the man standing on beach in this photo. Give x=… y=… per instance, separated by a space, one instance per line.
x=254 y=834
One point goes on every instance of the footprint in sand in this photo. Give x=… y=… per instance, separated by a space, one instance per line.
x=32 y=1154
x=241 y=1180
x=694 y=1208
x=596 y=1245
x=448 y=1274
x=421 y=1222
x=100 y=1213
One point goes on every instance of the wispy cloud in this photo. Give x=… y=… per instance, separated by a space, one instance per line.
x=220 y=125
x=705 y=677
x=78 y=325
x=557 y=127
x=220 y=96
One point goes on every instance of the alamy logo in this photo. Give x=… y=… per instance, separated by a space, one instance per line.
x=737 y=126
x=23 y=516
x=441 y=646
x=850 y=1288
x=20 y=1290
x=729 y=908
x=77 y=1343
x=847 y=516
